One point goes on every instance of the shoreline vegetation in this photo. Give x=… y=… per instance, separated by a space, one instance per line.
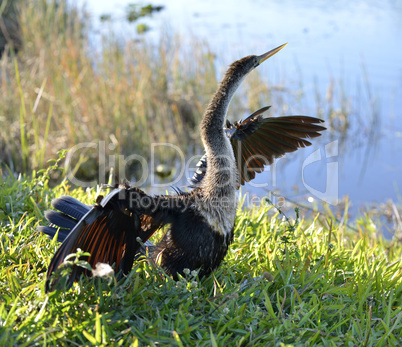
x=310 y=279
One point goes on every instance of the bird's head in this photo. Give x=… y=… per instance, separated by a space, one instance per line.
x=243 y=66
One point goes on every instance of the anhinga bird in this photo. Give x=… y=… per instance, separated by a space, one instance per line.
x=201 y=222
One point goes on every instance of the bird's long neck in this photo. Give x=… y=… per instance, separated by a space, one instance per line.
x=221 y=174
x=215 y=114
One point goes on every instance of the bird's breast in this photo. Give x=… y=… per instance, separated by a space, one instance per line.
x=219 y=212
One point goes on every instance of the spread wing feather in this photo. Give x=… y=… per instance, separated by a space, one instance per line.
x=51 y=231
x=69 y=213
x=71 y=207
x=109 y=232
x=60 y=219
x=257 y=141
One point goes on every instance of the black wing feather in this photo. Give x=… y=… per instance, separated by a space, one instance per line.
x=70 y=212
x=51 y=231
x=60 y=219
x=109 y=232
x=71 y=207
x=257 y=141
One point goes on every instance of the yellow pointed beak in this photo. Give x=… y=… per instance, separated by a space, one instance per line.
x=265 y=56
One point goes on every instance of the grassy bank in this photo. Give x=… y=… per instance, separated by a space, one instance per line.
x=303 y=282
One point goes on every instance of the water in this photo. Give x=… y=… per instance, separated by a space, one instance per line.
x=356 y=44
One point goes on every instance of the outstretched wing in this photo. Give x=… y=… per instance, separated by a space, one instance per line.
x=257 y=141
x=112 y=232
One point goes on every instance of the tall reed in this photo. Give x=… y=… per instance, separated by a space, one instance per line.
x=61 y=90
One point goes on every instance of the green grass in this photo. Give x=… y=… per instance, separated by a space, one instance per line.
x=308 y=283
